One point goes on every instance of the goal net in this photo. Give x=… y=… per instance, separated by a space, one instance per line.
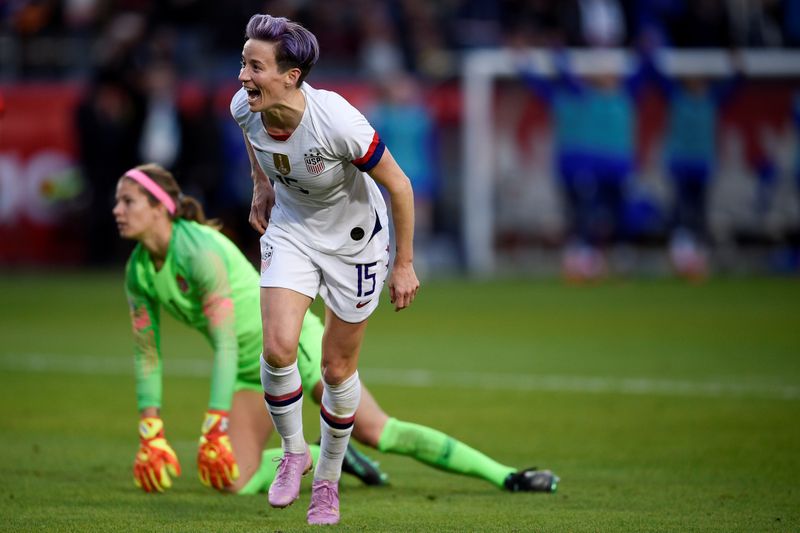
x=511 y=205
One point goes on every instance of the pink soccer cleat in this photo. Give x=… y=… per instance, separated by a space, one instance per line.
x=324 y=508
x=285 y=488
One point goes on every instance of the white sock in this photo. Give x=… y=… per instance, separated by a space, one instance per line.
x=337 y=413
x=283 y=395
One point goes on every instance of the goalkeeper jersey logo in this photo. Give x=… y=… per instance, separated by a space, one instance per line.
x=183 y=285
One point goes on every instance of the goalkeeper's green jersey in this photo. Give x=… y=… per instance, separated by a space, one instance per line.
x=208 y=284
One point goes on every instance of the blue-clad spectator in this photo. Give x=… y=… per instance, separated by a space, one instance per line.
x=405 y=122
x=796 y=116
x=594 y=121
x=691 y=156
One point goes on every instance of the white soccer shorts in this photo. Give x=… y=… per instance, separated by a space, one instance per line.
x=350 y=285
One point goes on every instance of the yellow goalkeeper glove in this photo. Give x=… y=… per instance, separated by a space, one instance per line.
x=216 y=464
x=156 y=460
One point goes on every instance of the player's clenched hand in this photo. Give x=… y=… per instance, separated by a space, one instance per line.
x=156 y=460
x=403 y=285
x=261 y=205
x=216 y=464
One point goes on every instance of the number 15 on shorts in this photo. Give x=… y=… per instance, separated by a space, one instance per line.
x=366 y=279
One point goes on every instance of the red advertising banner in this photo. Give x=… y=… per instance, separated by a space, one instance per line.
x=38 y=174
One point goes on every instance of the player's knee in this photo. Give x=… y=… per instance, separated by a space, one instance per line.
x=279 y=351
x=334 y=373
x=245 y=483
x=237 y=486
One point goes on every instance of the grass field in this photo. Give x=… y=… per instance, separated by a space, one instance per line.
x=662 y=406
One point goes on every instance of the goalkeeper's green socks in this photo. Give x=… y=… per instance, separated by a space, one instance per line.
x=441 y=451
x=424 y=444
x=263 y=477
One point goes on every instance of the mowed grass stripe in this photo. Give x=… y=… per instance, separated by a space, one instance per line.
x=423 y=378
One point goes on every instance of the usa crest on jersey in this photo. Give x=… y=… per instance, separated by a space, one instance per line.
x=266 y=256
x=314 y=163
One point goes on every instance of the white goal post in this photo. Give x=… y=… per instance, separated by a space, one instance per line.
x=482 y=67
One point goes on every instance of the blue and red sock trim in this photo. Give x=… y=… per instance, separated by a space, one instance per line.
x=285 y=399
x=335 y=422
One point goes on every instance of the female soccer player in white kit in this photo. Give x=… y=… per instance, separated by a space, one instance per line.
x=324 y=226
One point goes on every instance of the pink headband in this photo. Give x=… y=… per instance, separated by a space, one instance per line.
x=152 y=187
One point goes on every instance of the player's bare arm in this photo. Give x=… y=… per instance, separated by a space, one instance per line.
x=263 y=193
x=403 y=282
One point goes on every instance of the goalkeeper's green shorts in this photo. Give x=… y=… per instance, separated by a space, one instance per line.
x=309 y=358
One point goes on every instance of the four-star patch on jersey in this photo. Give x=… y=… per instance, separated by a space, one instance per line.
x=314 y=162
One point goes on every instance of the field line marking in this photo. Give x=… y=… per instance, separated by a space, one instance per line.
x=424 y=378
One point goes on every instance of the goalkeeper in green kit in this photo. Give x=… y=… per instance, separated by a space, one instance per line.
x=183 y=264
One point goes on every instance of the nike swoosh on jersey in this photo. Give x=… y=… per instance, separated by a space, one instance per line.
x=359 y=305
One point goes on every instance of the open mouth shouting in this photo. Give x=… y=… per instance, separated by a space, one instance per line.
x=253 y=96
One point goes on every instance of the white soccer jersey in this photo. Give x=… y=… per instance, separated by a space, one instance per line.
x=322 y=192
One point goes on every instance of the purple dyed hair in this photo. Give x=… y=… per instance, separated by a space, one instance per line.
x=295 y=46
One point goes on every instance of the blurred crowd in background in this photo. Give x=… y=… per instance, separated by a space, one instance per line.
x=366 y=38
x=146 y=80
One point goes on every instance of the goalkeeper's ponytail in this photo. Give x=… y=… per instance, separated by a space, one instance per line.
x=186 y=207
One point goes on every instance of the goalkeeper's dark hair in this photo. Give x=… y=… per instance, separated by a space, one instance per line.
x=186 y=207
